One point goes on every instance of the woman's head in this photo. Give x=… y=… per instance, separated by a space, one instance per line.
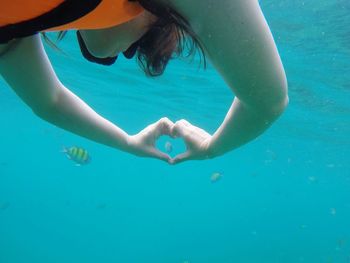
x=109 y=42
x=155 y=36
x=169 y=35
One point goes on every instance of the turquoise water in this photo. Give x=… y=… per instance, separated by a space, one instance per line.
x=282 y=198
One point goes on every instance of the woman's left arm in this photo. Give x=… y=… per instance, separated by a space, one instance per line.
x=238 y=42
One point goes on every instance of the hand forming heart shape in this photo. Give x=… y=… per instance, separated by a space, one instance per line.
x=196 y=140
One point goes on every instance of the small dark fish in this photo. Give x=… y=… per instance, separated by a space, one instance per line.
x=77 y=154
x=4 y=163
x=101 y=206
x=4 y=205
x=341 y=243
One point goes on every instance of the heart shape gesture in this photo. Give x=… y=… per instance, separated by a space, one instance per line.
x=196 y=140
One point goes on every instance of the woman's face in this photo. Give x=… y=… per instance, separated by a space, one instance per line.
x=109 y=42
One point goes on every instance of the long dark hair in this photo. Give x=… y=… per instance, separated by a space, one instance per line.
x=170 y=36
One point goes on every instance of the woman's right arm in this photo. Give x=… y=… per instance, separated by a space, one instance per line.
x=28 y=71
x=239 y=44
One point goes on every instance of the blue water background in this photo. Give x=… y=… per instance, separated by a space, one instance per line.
x=283 y=198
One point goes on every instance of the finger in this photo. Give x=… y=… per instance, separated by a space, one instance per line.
x=181 y=158
x=198 y=130
x=155 y=153
x=180 y=129
x=163 y=127
x=183 y=123
x=155 y=130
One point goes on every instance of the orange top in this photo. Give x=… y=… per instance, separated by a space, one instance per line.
x=14 y=11
x=106 y=14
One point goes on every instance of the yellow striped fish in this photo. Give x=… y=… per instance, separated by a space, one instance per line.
x=77 y=154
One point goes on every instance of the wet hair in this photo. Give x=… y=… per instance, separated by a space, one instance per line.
x=170 y=36
x=51 y=43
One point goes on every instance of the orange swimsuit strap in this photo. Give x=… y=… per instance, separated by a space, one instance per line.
x=20 y=18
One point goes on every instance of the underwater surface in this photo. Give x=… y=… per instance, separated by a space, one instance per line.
x=285 y=197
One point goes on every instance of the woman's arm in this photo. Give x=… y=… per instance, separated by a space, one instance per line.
x=27 y=69
x=238 y=42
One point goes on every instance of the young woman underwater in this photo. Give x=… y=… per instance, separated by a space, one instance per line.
x=233 y=34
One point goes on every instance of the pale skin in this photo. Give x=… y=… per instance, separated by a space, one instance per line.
x=237 y=41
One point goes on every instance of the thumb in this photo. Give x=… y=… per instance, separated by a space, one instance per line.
x=180 y=158
x=155 y=153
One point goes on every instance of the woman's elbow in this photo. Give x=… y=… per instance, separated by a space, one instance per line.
x=45 y=110
x=45 y=113
x=277 y=108
x=273 y=105
x=277 y=99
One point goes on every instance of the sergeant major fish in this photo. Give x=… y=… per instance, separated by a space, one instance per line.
x=77 y=154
